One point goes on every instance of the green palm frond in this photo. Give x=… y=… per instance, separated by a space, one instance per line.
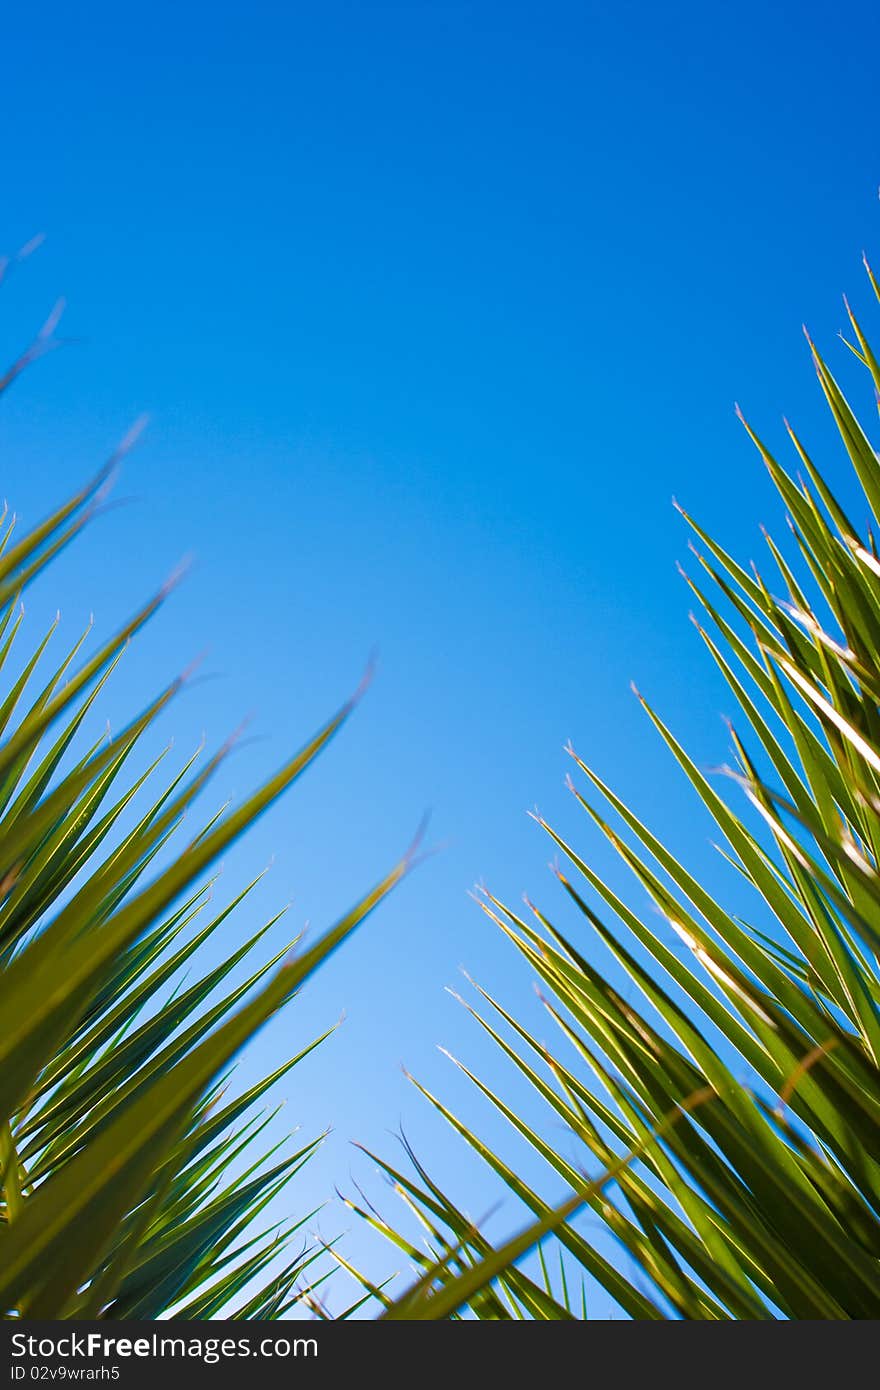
x=728 y=1126
x=133 y=1180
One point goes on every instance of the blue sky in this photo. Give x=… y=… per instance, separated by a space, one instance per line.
x=433 y=307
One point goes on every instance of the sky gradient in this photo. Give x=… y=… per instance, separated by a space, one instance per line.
x=433 y=307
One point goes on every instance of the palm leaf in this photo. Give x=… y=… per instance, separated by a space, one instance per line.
x=764 y=1200
x=130 y=1183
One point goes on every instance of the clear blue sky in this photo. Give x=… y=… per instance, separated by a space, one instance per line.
x=433 y=307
